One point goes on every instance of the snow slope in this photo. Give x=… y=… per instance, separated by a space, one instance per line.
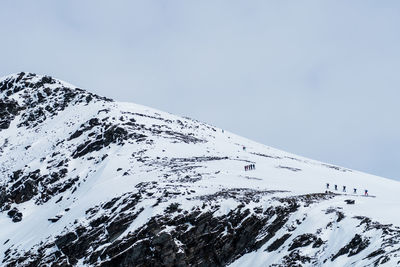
x=91 y=182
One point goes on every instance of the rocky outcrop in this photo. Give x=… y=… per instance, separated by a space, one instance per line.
x=23 y=187
x=39 y=98
x=177 y=238
x=185 y=238
x=8 y=110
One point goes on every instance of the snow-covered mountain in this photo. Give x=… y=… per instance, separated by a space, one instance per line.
x=86 y=181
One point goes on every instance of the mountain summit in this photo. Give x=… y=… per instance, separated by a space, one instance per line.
x=86 y=181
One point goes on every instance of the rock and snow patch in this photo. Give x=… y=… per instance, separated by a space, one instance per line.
x=86 y=181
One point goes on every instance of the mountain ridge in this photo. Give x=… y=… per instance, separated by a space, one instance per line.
x=88 y=181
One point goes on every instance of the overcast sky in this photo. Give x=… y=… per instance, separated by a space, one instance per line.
x=315 y=78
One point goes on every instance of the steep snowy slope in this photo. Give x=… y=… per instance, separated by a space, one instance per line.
x=87 y=181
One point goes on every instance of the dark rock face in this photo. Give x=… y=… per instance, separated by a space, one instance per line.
x=212 y=241
x=42 y=99
x=76 y=244
x=111 y=134
x=278 y=243
x=8 y=110
x=196 y=238
x=340 y=215
x=85 y=127
x=390 y=235
x=8 y=85
x=306 y=240
x=355 y=246
x=15 y=215
x=23 y=187
x=295 y=259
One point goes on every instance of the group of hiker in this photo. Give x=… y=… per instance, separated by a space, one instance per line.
x=344 y=189
x=253 y=167
x=250 y=167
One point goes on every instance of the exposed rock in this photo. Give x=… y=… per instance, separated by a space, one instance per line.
x=15 y=215
x=354 y=247
x=279 y=242
x=305 y=240
x=8 y=110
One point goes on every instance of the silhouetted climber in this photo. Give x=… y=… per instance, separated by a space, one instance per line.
x=366 y=192
x=335 y=186
x=254 y=166
x=344 y=188
x=355 y=190
x=327 y=185
x=244 y=148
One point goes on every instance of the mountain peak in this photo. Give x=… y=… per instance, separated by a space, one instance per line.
x=36 y=98
x=14 y=83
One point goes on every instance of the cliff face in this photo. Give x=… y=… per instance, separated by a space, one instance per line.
x=88 y=181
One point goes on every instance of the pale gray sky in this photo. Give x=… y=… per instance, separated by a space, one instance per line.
x=316 y=78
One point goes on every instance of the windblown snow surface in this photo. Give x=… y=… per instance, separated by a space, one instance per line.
x=86 y=181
